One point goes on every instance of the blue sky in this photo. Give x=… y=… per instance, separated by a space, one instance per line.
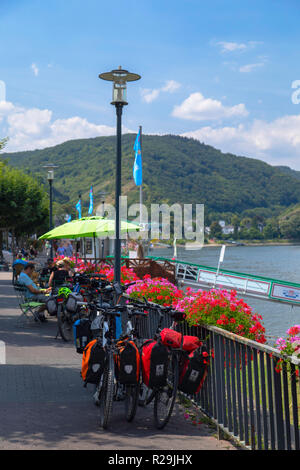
x=219 y=71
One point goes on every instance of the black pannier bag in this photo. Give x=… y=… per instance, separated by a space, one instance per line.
x=71 y=304
x=93 y=362
x=154 y=363
x=82 y=334
x=128 y=362
x=193 y=371
x=51 y=306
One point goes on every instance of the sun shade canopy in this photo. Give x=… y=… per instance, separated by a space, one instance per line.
x=89 y=227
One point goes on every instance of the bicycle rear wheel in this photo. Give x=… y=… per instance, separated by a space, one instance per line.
x=131 y=401
x=106 y=393
x=165 y=396
x=65 y=326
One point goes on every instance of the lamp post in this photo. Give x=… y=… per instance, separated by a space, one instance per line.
x=119 y=78
x=50 y=177
x=102 y=196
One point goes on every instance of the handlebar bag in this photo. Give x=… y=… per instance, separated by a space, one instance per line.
x=193 y=371
x=171 y=338
x=154 y=363
x=128 y=363
x=93 y=362
x=191 y=343
x=174 y=339
x=82 y=334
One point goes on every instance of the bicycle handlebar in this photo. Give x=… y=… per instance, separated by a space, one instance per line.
x=161 y=309
x=121 y=288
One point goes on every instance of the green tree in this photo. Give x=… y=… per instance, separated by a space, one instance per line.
x=271 y=229
x=215 y=230
x=254 y=234
x=235 y=222
x=290 y=224
x=3 y=143
x=23 y=203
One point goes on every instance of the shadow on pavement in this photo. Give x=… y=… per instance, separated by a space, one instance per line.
x=47 y=407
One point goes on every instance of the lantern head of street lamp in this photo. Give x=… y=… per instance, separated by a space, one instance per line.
x=102 y=196
x=50 y=167
x=119 y=77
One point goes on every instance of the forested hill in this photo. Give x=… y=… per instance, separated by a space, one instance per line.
x=175 y=169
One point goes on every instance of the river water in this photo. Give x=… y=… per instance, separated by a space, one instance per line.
x=277 y=262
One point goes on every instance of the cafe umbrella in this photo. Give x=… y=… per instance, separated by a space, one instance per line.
x=89 y=227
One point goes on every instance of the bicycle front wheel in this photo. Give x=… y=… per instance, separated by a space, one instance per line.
x=131 y=401
x=106 y=393
x=165 y=396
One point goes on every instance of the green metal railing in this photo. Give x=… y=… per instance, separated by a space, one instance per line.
x=245 y=394
x=248 y=284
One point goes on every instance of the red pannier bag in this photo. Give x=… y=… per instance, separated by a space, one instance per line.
x=173 y=339
x=154 y=363
x=193 y=371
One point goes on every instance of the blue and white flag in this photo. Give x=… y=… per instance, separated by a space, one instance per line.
x=78 y=208
x=91 y=208
x=138 y=166
x=69 y=218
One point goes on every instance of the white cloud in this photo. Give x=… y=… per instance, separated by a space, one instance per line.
x=198 y=108
x=276 y=142
x=231 y=46
x=30 y=129
x=35 y=69
x=171 y=86
x=250 y=67
x=31 y=122
x=149 y=95
x=5 y=108
x=227 y=46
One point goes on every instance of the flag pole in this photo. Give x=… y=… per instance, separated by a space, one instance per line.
x=141 y=187
x=221 y=259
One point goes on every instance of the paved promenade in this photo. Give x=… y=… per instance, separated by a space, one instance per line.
x=43 y=404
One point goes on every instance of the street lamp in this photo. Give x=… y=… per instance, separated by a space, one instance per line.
x=102 y=196
x=119 y=78
x=50 y=176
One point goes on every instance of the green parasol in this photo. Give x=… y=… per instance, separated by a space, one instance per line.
x=89 y=227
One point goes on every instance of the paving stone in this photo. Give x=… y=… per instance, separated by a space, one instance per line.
x=43 y=404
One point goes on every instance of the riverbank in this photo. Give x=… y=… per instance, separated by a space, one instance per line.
x=238 y=243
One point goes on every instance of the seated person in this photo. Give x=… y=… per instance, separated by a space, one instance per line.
x=33 y=293
x=59 y=275
x=68 y=266
x=20 y=260
x=48 y=268
x=18 y=265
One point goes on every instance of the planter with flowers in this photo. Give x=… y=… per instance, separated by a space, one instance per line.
x=289 y=348
x=127 y=274
x=158 y=290
x=87 y=267
x=216 y=307
x=221 y=308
